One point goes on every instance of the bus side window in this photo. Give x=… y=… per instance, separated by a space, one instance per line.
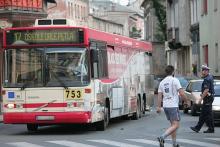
x=103 y=60
x=99 y=52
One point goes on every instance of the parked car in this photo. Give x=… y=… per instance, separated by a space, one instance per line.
x=216 y=103
x=183 y=82
x=193 y=91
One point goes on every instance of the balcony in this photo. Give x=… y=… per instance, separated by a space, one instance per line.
x=173 y=38
x=22 y=10
x=173 y=34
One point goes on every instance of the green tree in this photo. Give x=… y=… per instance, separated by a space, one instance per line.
x=135 y=33
x=160 y=12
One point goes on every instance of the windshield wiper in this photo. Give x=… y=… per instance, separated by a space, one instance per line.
x=45 y=105
x=59 y=80
x=25 y=85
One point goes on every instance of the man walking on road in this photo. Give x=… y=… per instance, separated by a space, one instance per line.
x=168 y=92
x=207 y=96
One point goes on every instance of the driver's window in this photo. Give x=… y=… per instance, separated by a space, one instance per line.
x=188 y=88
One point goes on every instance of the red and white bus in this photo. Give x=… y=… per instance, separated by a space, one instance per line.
x=66 y=75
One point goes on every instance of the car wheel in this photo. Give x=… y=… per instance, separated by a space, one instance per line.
x=185 y=110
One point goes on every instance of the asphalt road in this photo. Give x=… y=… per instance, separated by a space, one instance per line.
x=123 y=133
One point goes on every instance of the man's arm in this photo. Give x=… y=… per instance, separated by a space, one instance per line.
x=204 y=94
x=182 y=95
x=159 y=101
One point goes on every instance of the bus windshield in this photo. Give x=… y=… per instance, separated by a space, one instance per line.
x=46 y=67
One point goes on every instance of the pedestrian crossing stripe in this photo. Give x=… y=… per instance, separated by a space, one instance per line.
x=70 y=143
x=214 y=139
x=125 y=143
x=199 y=143
x=114 y=143
x=150 y=142
x=23 y=144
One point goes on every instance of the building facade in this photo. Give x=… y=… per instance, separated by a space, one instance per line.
x=210 y=35
x=114 y=12
x=195 y=9
x=151 y=30
x=178 y=27
x=138 y=19
x=75 y=10
x=105 y=25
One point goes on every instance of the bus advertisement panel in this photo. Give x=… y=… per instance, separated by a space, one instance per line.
x=58 y=75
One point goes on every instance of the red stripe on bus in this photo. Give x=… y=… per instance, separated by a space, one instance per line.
x=36 y=105
x=59 y=117
x=108 y=80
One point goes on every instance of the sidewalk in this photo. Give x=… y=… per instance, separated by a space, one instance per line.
x=1 y=118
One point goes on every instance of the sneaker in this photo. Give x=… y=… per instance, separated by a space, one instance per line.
x=209 y=131
x=161 y=141
x=177 y=145
x=194 y=129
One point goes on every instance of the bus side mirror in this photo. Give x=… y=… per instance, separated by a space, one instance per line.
x=94 y=56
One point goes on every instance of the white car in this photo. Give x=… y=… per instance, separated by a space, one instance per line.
x=193 y=91
x=216 y=103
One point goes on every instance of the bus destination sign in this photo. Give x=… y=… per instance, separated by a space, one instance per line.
x=49 y=36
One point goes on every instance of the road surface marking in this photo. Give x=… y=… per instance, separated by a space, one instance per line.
x=70 y=143
x=23 y=144
x=114 y=143
x=151 y=142
x=199 y=143
x=215 y=139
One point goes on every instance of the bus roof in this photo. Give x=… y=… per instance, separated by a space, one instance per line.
x=114 y=39
x=110 y=39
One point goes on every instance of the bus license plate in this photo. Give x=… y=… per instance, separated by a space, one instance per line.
x=45 y=118
x=73 y=94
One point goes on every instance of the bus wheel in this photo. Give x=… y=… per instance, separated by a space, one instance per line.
x=32 y=127
x=136 y=115
x=102 y=125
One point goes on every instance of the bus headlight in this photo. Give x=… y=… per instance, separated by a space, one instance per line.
x=10 y=106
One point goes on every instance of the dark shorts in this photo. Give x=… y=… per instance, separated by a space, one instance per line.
x=172 y=114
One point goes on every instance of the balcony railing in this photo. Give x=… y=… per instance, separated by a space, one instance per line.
x=25 y=10
x=21 y=5
x=173 y=33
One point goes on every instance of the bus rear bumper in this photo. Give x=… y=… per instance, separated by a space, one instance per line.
x=46 y=117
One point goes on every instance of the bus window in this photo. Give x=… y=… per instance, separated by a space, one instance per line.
x=25 y=68
x=102 y=64
x=67 y=67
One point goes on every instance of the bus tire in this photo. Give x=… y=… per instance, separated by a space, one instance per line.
x=32 y=127
x=136 y=115
x=144 y=103
x=102 y=125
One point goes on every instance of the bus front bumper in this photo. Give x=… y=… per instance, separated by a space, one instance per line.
x=46 y=117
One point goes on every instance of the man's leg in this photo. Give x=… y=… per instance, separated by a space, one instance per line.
x=173 y=135
x=173 y=116
x=172 y=129
x=209 y=119
x=202 y=119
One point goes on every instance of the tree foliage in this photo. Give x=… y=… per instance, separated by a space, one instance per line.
x=160 y=12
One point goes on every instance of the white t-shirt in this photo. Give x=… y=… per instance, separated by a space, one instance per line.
x=169 y=86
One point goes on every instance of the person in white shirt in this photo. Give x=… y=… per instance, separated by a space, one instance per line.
x=168 y=94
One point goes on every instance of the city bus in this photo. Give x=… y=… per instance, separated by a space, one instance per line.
x=62 y=74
